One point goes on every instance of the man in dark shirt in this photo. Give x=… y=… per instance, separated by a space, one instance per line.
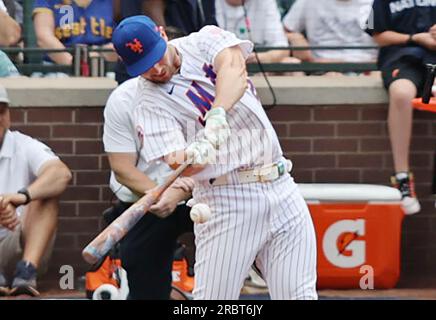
x=406 y=32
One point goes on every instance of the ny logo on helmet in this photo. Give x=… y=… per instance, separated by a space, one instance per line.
x=135 y=46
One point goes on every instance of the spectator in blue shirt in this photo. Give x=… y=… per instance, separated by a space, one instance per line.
x=64 y=23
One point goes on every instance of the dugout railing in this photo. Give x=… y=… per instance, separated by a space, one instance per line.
x=88 y=61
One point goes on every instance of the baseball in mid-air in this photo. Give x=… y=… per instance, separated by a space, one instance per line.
x=200 y=213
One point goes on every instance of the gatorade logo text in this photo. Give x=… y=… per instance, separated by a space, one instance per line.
x=342 y=245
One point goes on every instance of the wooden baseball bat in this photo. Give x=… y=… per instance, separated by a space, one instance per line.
x=114 y=232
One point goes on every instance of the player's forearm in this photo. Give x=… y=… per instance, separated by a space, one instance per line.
x=227 y=95
x=10 y=30
x=390 y=38
x=231 y=81
x=179 y=194
x=51 y=182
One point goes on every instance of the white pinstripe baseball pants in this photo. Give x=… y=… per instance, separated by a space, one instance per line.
x=264 y=222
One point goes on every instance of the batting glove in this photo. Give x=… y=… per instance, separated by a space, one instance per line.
x=217 y=130
x=201 y=152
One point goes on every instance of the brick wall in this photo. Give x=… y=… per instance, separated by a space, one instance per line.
x=343 y=144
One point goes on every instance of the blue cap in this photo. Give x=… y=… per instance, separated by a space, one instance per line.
x=139 y=43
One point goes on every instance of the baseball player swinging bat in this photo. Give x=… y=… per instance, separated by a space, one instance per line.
x=98 y=247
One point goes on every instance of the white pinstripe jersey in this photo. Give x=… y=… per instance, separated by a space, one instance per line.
x=171 y=114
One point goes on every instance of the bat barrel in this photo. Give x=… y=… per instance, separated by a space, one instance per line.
x=101 y=245
x=106 y=240
x=90 y=256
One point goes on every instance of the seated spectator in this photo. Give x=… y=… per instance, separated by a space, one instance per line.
x=10 y=30
x=31 y=180
x=407 y=36
x=255 y=20
x=60 y=24
x=330 y=23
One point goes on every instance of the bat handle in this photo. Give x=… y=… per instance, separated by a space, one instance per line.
x=175 y=174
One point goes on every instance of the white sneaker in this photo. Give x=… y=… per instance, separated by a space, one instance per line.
x=410 y=205
x=405 y=183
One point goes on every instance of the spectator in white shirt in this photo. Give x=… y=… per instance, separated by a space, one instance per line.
x=31 y=180
x=255 y=20
x=330 y=23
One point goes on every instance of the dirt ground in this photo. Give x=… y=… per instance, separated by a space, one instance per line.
x=402 y=294
x=256 y=293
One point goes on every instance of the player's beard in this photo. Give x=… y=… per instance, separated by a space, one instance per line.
x=170 y=65
x=174 y=64
x=162 y=79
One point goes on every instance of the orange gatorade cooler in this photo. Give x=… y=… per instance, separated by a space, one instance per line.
x=358 y=229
